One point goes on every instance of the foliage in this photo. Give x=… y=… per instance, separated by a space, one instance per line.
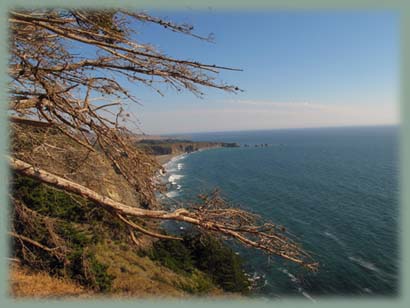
x=219 y=261
x=206 y=253
x=174 y=255
x=47 y=201
x=72 y=224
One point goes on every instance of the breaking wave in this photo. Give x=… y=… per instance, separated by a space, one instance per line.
x=334 y=237
x=366 y=264
x=297 y=283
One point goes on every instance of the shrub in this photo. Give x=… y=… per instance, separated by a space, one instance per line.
x=173 y=254
x=62 y=221
x=207 y=254
x=219 y=261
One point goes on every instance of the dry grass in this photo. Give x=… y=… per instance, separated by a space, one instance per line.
x=28 y=284
x=137 y=276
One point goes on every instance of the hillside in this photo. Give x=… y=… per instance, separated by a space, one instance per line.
x=95 y=253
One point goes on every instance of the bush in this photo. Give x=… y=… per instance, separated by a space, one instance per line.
x=219 y=261
x=207 y=254
x=174 y=255
x=77 y=223
x=48 y=201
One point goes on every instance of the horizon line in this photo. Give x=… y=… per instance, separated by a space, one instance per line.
x=271 y=129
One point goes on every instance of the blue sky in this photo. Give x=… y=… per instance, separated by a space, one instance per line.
x=300 y=69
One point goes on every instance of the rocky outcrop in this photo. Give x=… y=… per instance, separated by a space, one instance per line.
x=175 y=146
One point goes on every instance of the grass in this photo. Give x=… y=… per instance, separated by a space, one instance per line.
x=138 y=275
x=29 y=284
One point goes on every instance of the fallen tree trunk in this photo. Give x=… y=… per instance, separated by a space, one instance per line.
x=271 y=243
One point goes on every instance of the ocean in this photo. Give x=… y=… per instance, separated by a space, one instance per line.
x=335 y=189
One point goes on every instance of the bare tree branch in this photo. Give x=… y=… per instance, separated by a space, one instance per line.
x=32 y=242
x=272 y=243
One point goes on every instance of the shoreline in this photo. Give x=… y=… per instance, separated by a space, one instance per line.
x=166 y=158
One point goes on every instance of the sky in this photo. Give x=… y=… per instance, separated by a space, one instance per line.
x=300 y=69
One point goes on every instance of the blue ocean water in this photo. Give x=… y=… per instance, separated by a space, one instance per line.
x=335 y=189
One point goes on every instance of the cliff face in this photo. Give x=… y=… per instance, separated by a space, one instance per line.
x=71 y=161
x=174 y=146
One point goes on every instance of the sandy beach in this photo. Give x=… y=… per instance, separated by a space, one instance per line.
x=163 y=159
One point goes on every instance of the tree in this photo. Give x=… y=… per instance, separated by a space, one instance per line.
x=54 y=87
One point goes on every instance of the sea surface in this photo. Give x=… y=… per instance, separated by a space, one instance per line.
x=335 y=189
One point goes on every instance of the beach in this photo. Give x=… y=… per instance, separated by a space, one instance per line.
x=163 y=159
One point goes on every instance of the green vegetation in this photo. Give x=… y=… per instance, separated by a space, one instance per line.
x=48 y=201
x=94 y=250
x=174 y=255
x=204 y=253
x=70 y=224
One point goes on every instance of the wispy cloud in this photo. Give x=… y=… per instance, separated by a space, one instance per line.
x=249 y=114
x=266 y=103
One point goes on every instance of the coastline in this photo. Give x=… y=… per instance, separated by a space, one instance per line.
x=166 y=158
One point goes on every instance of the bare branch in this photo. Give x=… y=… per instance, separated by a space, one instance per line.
x=32 y=242
x=270 y=244
x=147 y=232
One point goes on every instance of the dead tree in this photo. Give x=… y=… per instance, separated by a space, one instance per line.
x=54 y=86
